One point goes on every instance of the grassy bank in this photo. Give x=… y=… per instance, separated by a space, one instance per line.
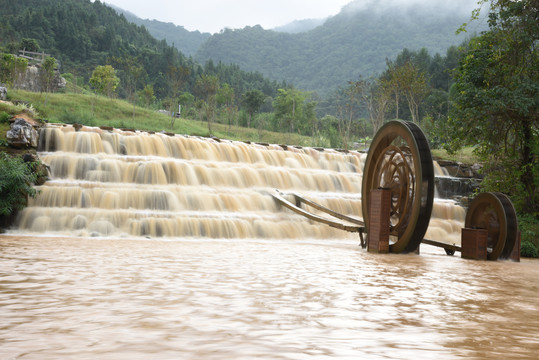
x=465 y=155
x=95 y=110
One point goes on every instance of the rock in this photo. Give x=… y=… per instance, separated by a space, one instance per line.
x=3 y=93
x=32 y=80
x=29 y=158
x=164 y=112
x=22 y=134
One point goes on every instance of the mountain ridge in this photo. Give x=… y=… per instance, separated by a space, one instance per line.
x=356 y=42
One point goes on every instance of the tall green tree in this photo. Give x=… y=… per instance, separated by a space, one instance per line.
x=252 y=100
x=206 y=88
x=410 y=81
x=47 y=74
x=104 y=80
x=496 y=100
x=289 y=106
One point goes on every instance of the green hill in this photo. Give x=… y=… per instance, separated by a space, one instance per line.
x=188 y=42
x=355 y=42
x=82 y=34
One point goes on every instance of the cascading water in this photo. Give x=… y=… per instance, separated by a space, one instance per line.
x=125 y=184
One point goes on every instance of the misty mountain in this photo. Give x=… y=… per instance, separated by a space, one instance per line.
x=188 y=42
x=356 y=42
x=298 y=26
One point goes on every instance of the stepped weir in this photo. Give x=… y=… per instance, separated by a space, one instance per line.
x=124 y=184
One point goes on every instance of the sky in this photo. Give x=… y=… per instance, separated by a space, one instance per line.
x=214 y=15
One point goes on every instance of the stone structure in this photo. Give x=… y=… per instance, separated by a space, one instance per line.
x=32 y=81
x=3 y=93
x=22 y=134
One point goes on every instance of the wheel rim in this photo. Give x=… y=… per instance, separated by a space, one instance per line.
x=512 y=225
x=486 y=211
x=399 y=159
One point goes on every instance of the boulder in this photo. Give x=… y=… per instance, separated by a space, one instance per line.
x=22 y=134
x=3 y=93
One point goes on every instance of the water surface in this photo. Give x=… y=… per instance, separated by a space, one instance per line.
x=80 y=298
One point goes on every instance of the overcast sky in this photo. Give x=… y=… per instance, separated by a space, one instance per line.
x=214 y=15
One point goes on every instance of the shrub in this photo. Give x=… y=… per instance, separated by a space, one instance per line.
x=4 y=117
x=529 y=229
x=16 y=180
x=527 y=249
x=82 y=117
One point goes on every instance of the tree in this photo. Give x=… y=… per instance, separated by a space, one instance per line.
x=132 y=72
x=289 y=106
x=225 y=98
x=104 y=80
x=376 y=96
x=187 y=100
x=409 y=80
x=21 y=64
x=252 y=100
x=206 y=87
x=47 y=74
x=496 y=101
x=29 y=45
x=147 y=94
x=351 y=97
x=7 y=68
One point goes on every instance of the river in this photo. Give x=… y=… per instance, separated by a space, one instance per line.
x=103 y=298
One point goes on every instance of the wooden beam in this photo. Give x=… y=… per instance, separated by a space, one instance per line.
x=282 y=201
x=328 y=211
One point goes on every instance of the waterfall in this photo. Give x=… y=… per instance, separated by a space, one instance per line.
x=141 y=184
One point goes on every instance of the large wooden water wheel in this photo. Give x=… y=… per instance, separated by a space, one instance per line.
x=399 y=159
x=495 y=213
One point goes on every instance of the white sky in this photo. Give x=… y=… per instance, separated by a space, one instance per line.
x=214 y=15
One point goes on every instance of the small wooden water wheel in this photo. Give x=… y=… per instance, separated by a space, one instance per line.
x=494 y=212
x=399 y=159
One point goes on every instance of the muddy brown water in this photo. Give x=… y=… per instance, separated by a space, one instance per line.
x=77 y=298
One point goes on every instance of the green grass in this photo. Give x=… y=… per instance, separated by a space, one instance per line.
x=95 y=110
x=465 y=155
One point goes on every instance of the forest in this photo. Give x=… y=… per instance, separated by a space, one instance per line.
x=353 y=43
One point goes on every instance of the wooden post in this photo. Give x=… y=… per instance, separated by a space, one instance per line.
x=474 y=244
x=515 y=254
x=379 y=215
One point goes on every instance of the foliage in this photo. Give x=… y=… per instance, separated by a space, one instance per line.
x=46 y=73
x=252 y=101
x=4 y=117
x=527 y=249
x=82 y=117
x=147 y=96
x=529 y=229
x=206 y=88
x=104 y=80
x=289 y=107
x=16 y=179
x=12 y=69
x=496 y=101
